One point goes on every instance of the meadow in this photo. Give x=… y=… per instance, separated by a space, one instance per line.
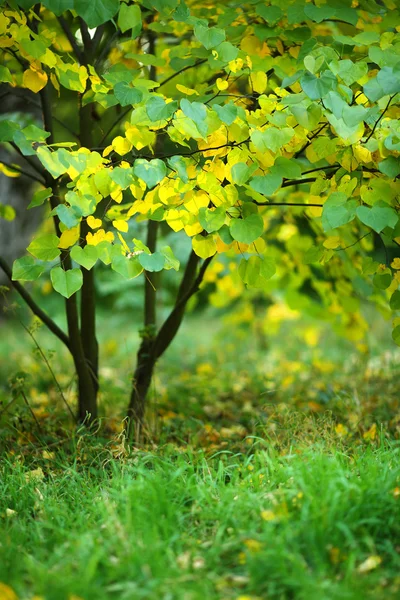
x=268 y=470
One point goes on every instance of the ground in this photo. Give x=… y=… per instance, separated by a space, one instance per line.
x=270 y=470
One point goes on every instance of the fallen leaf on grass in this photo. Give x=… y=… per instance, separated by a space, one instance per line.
x=7 y=593
x=369 y=564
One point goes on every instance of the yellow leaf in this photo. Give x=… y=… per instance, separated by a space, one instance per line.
x=123 y=242
x=34 y=80
x=121 y=145
x=222 y=84
x=93 y=222
x=371 y=563
x=186 y=90
x=69 y=237
x=9 y=171
x=204 y=246
x=370 y=435
x=258 y=81
x=34 y=475
x=7 y=593
x=332 y=242
x=120 y=225
x=235 y=65
x=100 y=236
x=341 y=430
x=268 y=515
x=253 y=545
x=395 y=263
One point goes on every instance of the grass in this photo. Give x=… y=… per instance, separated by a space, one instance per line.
x=178 y=525
x=269 y=472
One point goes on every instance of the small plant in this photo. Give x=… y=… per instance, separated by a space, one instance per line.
x=266 y=134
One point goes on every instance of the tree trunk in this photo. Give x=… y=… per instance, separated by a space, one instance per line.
x=140 y=386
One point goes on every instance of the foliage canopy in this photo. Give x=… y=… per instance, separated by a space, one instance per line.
x=266 y=131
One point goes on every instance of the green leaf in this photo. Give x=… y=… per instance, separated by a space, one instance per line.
x=68 y=216
x=151 y=172
x=152 y=262
x=177 y=163
x=247 y=230
x=66 y=283
x=51 y=161
x=227 y=112
x=125 y=94
x=129 y=268
x=319 y=13
x=197 y=112
x=171 y=262
x=337 y=211
x=225 y=235
x=122 y=177
x=272 y=138
x=349 y=71
x=59 y=6
x=7 y=130
x=266 y=184
x=7 y=212
x=96 y=12
x=390 y=166
x=159 y=110
x=212 y=219
x=249 y=270
x=209 y=36
x=395 y=300
x=240 y=172
x=130 y=17
x=378 y=217
x=267 y=267
x=396 y=335
x=5 y=75
x=307 y=116
x=382 y=280
x=318 y=87
x=45 y=247
x=26 y=269
x=39 y=197
x=287 y=168
x=86 y=256
x=271 y=14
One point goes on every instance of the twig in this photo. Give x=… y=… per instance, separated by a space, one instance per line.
x=25 y=173
x=377 y=121
x=42 y=354
x=31 y=411
x=50 y=324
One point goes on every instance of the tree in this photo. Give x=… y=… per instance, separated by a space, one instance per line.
x=266 y=132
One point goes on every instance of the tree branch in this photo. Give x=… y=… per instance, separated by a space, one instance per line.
x=196 y=64
x=25 y=173
x=286 y=204
x=378 y=120
x=71 y=38
x=44 y=317
x=172 y=323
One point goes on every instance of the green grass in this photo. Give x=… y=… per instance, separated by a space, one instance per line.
x=178 y=525
x=270 y=471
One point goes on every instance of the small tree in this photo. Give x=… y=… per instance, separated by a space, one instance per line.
x=230 y=123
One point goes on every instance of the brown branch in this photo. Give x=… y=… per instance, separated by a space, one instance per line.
x=25 y=173
x=72 y=40
x=44 y=317
x=286 y=204
x=196 y=64
x=172 y=323
x=378 y=120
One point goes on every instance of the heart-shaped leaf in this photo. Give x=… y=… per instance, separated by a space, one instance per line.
x=66 y=283
x=378 y=217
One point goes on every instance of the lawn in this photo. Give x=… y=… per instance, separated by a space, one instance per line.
x=267 y=471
